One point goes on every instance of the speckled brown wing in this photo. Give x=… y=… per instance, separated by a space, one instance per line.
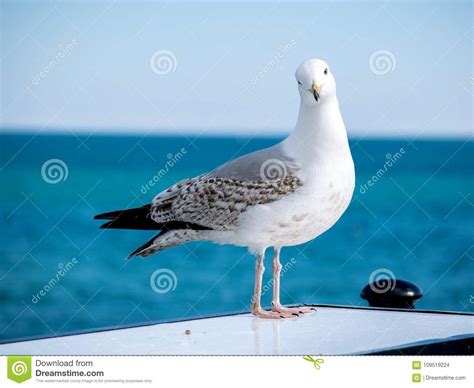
x=216 y=202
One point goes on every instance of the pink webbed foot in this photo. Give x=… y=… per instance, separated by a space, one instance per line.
x=293 y=310
x=261 y=313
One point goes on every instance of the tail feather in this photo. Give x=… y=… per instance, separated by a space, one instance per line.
x=144 y=247
x=172 y=233
x=167 y=239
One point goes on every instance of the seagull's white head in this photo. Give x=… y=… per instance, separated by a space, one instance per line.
x=316 y=83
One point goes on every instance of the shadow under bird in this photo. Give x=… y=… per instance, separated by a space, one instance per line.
x=280 y=196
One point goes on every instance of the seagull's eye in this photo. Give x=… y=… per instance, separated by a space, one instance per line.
x=299 y=83
x=325 y=71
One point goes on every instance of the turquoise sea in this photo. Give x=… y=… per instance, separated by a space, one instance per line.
x=412 y=214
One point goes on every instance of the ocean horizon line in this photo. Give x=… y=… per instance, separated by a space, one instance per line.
x=213 y=133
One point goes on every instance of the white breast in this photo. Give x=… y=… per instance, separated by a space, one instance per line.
x=303 y=215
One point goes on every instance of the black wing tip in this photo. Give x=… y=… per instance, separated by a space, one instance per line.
x=106 y=216
x=145 y=209
x=135 y=218
x=106 y=225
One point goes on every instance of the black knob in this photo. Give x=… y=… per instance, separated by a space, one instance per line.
x=394 y=293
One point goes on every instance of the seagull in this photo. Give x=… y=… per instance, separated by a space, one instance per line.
x=284 y=195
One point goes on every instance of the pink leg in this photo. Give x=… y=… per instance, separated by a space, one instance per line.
x=256 y=307
x=276 y=305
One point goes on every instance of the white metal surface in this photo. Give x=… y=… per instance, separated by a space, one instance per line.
x=329 y=331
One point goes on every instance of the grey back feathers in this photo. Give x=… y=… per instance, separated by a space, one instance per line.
x=267 y=164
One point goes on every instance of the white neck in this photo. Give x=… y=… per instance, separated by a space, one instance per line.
x=319 y=133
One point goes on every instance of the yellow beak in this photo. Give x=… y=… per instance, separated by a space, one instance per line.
x=316 y=90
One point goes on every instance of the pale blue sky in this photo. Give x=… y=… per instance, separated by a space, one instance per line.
x=99 y=76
